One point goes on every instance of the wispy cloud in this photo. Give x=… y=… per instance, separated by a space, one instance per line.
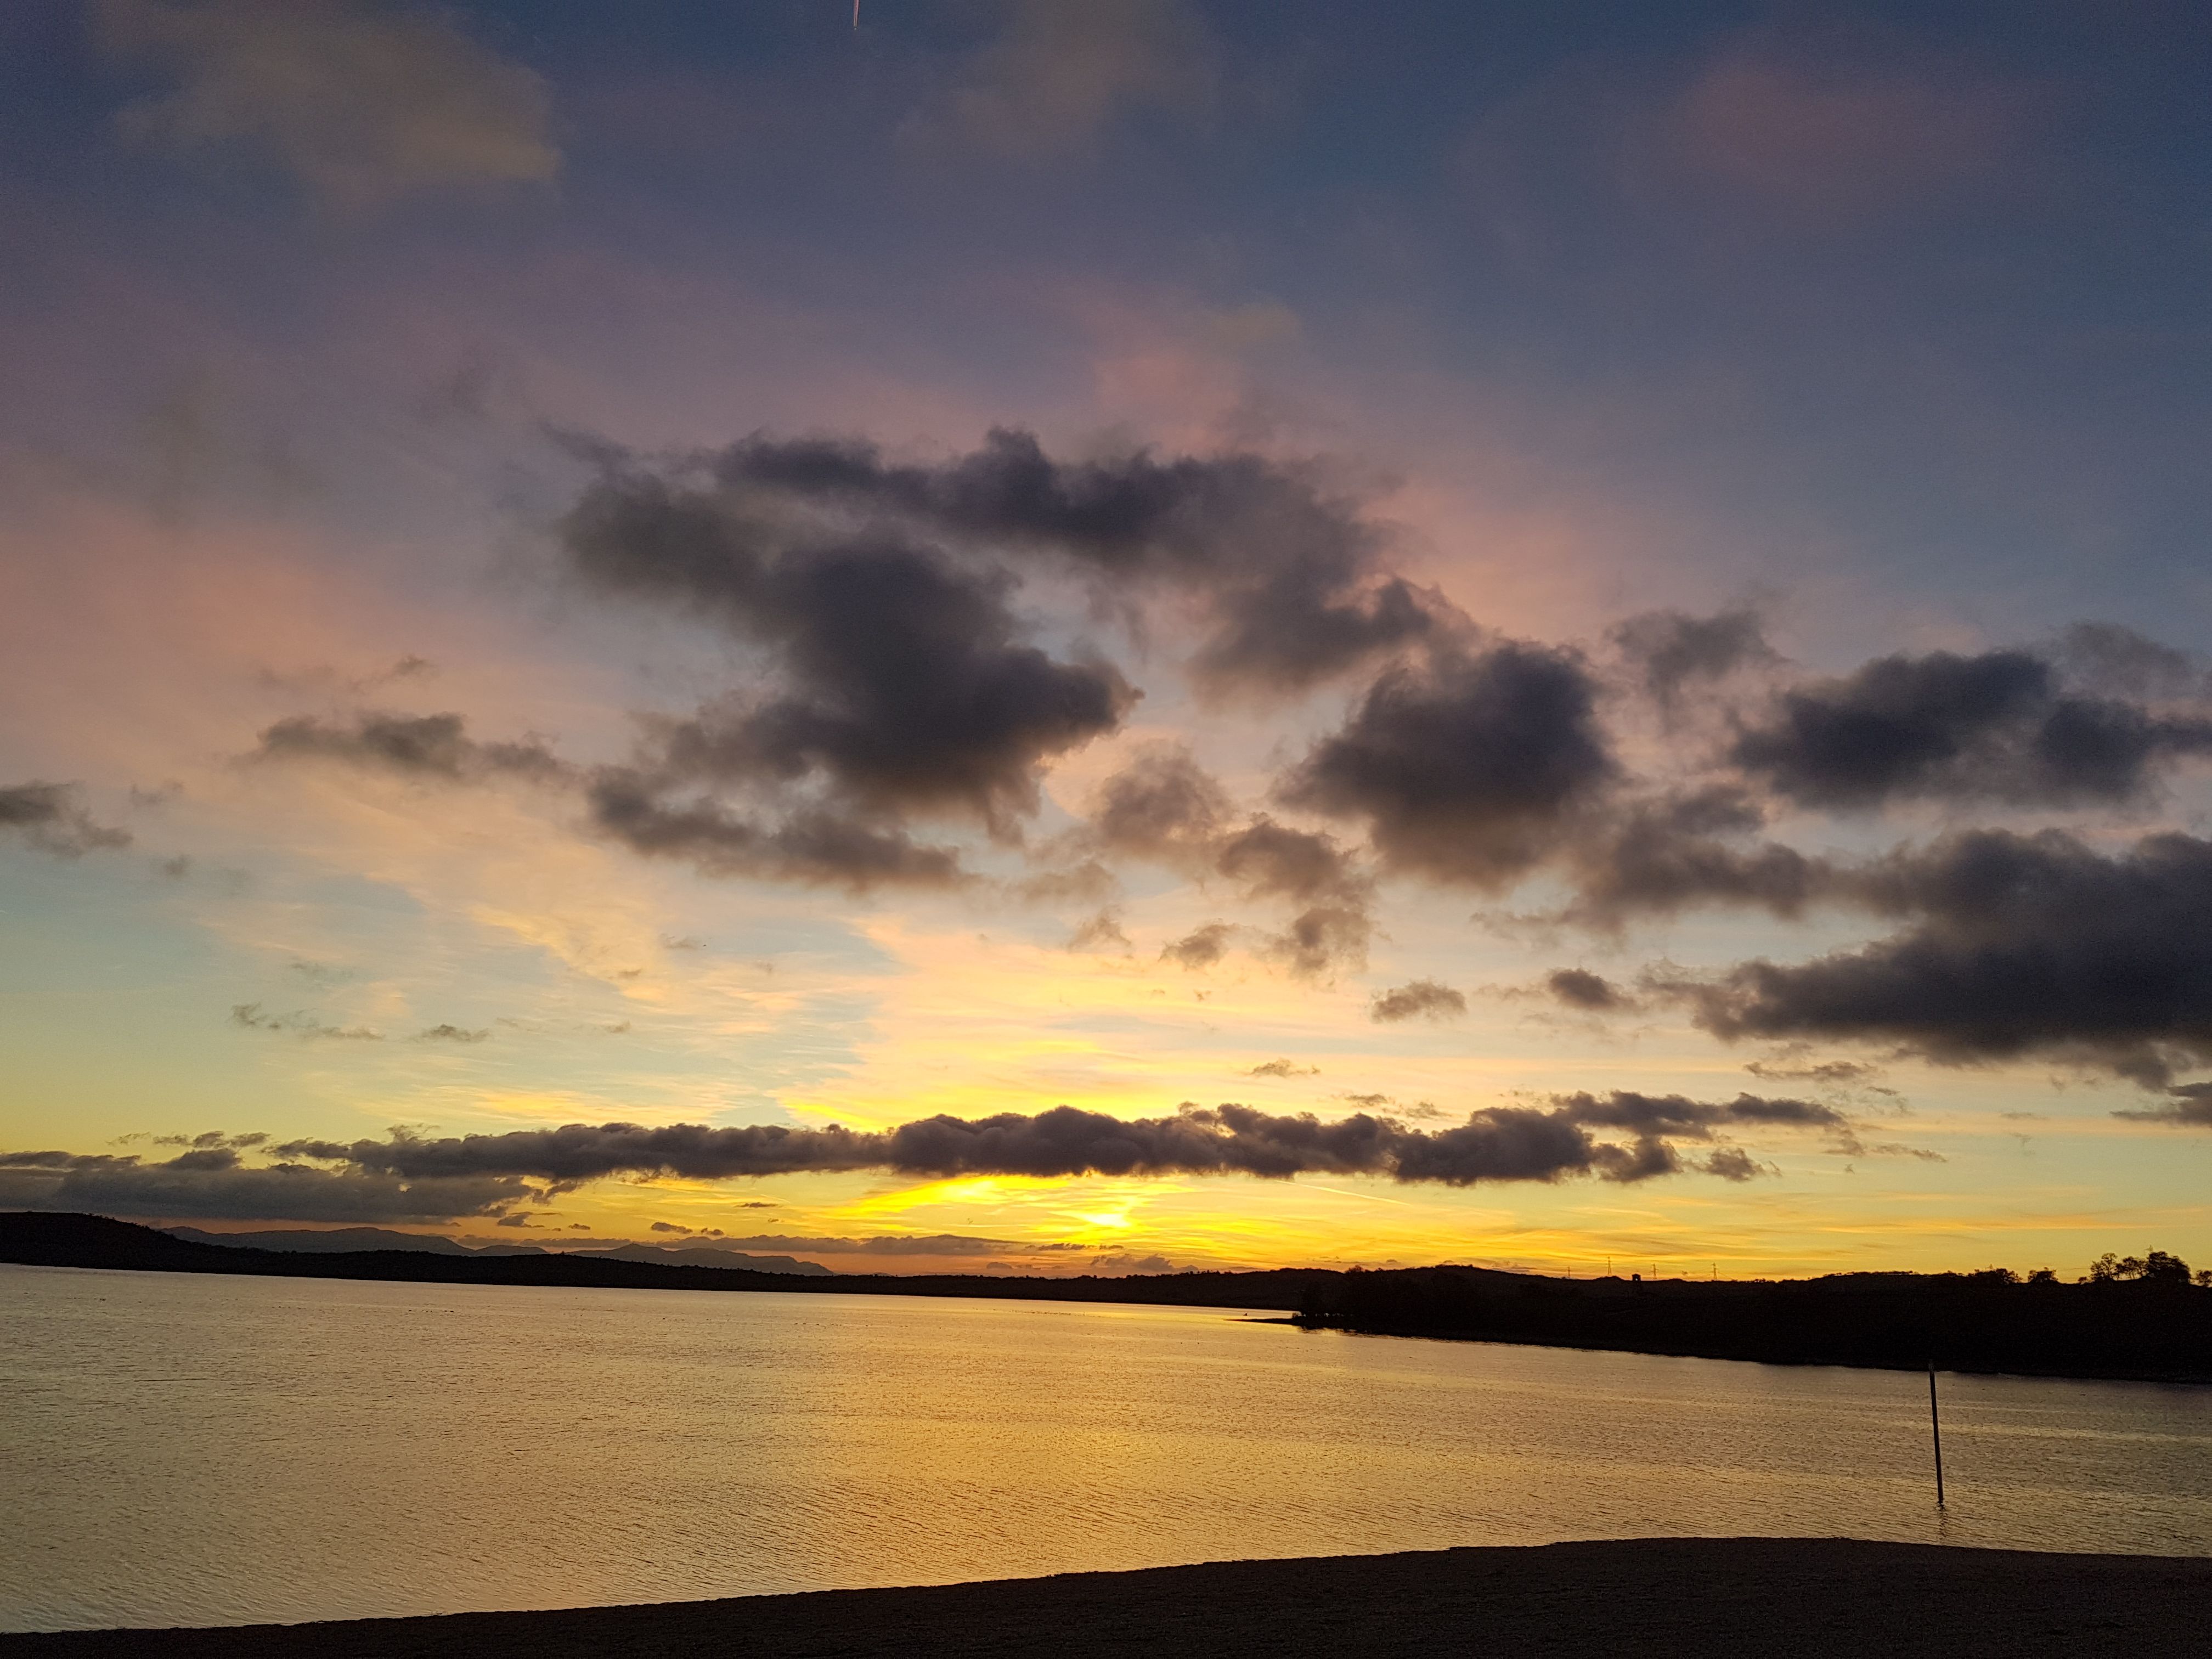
x=362 y=103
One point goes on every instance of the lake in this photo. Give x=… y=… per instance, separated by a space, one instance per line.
x=177 y=1448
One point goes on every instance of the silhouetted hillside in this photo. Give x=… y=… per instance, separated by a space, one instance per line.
x=84 y=1241
x=2150 y=1329
x=326 y=1240
x=2158 y=1329
x=706 y=1256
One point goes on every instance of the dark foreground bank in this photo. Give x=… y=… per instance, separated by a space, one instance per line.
x=1685 y=1598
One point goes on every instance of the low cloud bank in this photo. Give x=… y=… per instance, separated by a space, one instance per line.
x=215 y=1183
x=1499 y=1143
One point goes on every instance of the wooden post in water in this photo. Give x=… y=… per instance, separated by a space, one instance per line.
x=1935 y=1429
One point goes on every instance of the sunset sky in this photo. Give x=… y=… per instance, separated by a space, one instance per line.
x=1603 y=600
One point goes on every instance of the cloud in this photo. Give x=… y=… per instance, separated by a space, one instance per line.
x=215 y=1183
x=212 y=1138
x=1322 y=939
x=1123 y=1261
x=411 y=745
x=1672 y=650
x=1732 y=1163
x=904 y=686
x=1333 y=929
x=1850 y=1073
x=898 y=681
x=1058 y=76
x=1997 y=726
x=1421 y=999
x=2191 y=1108
x=893 y=1245
x=1467 y=768
x=1505 y=1143
x=2018 y=946
x=451 y=1033
x=1835 y=136
x=48 y=816
x=1671 y=853
x=816 y=847
x=2115 y=661
x=1282 y=1068
x=1283 y=573
x=1165 y=807
x=1578 y=988
x=1201 y=947
x=362 y=103
x=250 y=1015
x=1102 y=932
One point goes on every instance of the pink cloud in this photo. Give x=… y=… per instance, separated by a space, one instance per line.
x=1841 y=141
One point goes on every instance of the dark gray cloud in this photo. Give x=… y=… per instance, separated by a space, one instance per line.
x=899 y=1244
x=1732 y=1163
x=1282 y=1068
x=208 y=1138
x=1496 y=1144
x=2114 y=661
x=1466 y=767
x=1837 y=1072
x=1420 y=999
x=1165 y=807
x=2017 y=946
x=1270 y=861
x=411 y=745
x=1201 y=947
x=819 y=847
x=1284 y=572
x=252 y=1016
x=1127 y=1262
x=1998 y=726
x=1672 y=652
x=52 y=818
x=1657 y=1121
x=1322 y=939
x=1663 y=855
x=1101 y=932
x=2190 y=1107
x=451 y=1033
x=213 y=1182
x=897 y=682
x=1333 y=928
x=904 y=688
x=1593 y=993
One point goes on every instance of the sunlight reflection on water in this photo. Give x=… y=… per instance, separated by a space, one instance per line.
x=180 y=1449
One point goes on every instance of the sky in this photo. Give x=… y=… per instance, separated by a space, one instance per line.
x=1043 y=636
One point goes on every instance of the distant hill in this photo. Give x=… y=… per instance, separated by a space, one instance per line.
x=701 y=1255
x=352 y=1240
x=39 y=1239
x=345 y=1239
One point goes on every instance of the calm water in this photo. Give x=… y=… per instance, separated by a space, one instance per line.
x=177 y=1449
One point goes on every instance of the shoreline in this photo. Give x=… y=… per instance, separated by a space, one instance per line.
x=2027 y=1373
x=1727 y=1598
x=1967 y=1324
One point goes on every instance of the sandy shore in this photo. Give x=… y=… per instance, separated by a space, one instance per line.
x=1683 y=1598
